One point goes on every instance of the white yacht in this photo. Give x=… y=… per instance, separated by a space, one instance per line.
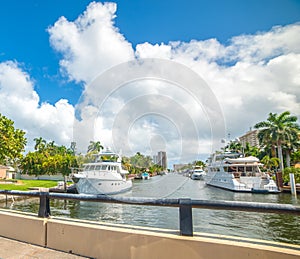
x=103 y=176
x=234 y=172
x=197 y=173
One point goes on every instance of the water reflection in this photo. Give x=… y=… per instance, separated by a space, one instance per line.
x=282 y=228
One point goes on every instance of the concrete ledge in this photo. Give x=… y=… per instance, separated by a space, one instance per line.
x=23 y=227
x=101 y=241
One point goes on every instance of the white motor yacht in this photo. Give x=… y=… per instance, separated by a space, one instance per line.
x=197 y=173
x=234 y=172
x=103 y=176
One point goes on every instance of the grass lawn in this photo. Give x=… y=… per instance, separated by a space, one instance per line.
x=24 y=185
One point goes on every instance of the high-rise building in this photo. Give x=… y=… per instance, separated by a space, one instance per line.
x=162 y=159
x=250 y=137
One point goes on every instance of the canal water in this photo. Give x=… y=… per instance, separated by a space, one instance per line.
x=276 y=227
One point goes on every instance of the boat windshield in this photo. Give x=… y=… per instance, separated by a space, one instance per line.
x=243 y=170
x=100 y=167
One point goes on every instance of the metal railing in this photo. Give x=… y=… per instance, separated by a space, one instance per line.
x=185 y=205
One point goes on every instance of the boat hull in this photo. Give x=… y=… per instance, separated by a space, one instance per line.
x=102 y=187
x=248 y=184
x=258 y=191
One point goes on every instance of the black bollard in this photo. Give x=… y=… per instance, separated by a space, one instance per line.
x=185 y=217
x=44 y=209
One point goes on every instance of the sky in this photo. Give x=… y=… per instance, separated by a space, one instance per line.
x=148 y=75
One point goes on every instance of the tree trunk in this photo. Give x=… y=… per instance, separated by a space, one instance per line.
x=273 y=151
x=280 y=156
x=288 y=158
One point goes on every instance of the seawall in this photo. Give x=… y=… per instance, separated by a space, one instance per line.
x=103 y=240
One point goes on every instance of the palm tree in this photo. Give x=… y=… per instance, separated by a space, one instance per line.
x=126 y=163
x=94 y=146
x=291 y=146
x=296 y=157
x=277 y=131
x=40 y=143
x=235 y=146
x=270 y=163
x=251 y=150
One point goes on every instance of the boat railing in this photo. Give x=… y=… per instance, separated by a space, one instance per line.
x=185 y=205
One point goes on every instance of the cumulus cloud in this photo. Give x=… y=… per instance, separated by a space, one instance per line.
x=90 y=44
x=20 y=102
x=265 y=45
x=246 y=79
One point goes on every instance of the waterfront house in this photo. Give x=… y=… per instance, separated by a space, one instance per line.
x=7 y=172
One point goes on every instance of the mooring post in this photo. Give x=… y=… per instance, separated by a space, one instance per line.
x=185 y=217
x=44 y=209
x=293 y=185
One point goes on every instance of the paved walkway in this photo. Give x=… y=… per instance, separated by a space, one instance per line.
x=12 y=249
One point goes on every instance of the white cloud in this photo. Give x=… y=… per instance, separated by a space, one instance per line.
x=20 y=102
x=90 y=44
x=147 y=50
x=250 y=76
x=265 y=45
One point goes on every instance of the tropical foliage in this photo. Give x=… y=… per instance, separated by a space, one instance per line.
x=235 y=146
x=141 y=161
x=12 y=142
x=252 y=151
x=279 y=132
x=286 y=174
x=199 y=163
x=94 y=147
x=48 y=158
x=295 y=157
x=270 y=163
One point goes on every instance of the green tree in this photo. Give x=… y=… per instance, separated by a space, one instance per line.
x=94 y=146
x=270 y=163
x=290 y=147
x=234 y=146
x=296 y=157
x=12 y=141
x=32 y=163
x=154 y=168
x=49 y=159
x=199 y=163
x=286 y=174
x=141 y=161
x=126 y=163
x=251 y=150
x=277 y=131
x=40 y=144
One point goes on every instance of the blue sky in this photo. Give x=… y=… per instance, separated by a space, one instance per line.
x=247 y=52
x=23 y=26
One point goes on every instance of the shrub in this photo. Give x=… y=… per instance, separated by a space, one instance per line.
x=286 y=174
